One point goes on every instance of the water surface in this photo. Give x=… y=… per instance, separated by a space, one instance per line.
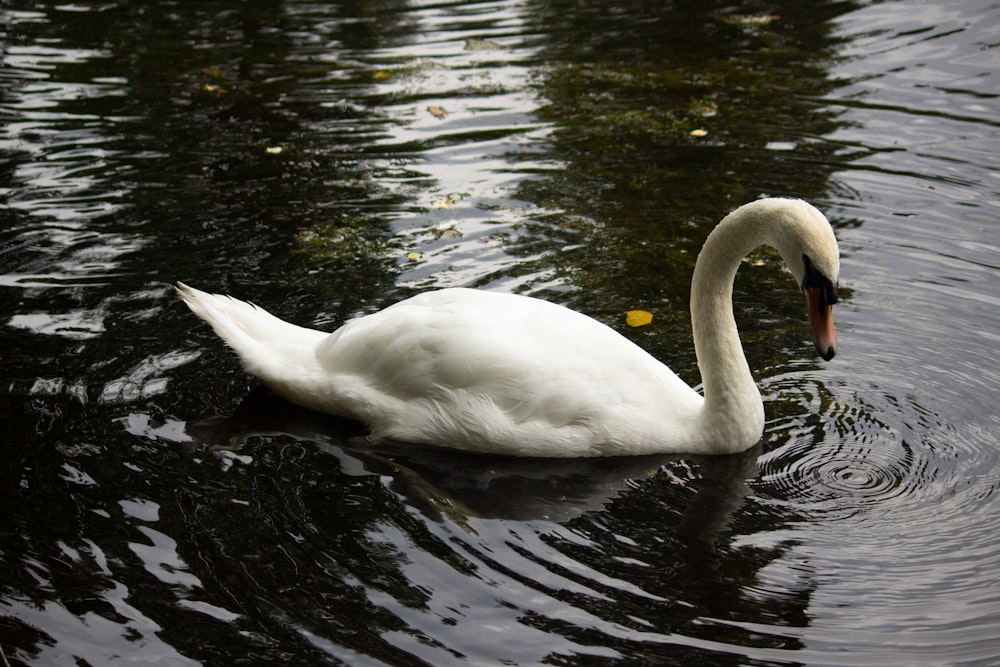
x=326 y=160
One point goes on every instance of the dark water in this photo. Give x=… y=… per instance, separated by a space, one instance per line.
x=328 y=159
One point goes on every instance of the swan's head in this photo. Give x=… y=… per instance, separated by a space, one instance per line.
x=806 y=242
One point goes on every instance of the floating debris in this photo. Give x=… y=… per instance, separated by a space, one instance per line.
x=704 y=108
x=449 y=232
x=448 y=201
x=749 y=21
x=214 y=72
x=638 y=318
x=474 y=44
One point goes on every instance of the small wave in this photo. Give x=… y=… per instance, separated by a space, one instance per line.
x=845 y=461
x=841 y=480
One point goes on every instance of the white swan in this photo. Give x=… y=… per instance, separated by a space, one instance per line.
x=508 y=374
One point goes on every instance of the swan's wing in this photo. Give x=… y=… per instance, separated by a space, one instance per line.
x=524 y=360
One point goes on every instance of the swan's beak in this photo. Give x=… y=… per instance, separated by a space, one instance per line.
x=821 y=322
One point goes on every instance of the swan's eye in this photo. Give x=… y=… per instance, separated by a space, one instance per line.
x=813 y=279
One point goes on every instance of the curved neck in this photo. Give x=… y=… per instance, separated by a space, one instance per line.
x=733 y=411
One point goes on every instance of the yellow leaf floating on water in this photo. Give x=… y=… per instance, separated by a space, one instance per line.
x=413 y=256
x=382 y=74
x=699 y=133
x=437 y=112
x=638 y=318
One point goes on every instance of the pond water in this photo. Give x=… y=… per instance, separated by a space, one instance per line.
x=326 y=160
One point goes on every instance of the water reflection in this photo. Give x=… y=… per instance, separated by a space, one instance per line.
x=547 y=540
x=288 y=151
x=438 y=480
x=663 y=111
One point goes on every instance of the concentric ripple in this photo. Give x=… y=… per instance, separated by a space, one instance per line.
x=843 y=479
x=845 y=461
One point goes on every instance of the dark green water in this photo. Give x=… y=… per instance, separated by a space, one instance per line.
x=326 y=160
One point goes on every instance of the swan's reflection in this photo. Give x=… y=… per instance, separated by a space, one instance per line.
x=598 y=496
x=438 y=480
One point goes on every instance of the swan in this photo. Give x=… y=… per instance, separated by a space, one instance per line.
x=515 y=375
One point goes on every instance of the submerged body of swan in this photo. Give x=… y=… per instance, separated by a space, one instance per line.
x=509 y=374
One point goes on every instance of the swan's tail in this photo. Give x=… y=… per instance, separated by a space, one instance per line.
x=270 y=348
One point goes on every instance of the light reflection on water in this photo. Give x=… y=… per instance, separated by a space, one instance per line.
x=861 y=531
x=461 y=92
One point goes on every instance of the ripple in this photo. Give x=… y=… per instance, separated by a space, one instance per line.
x=859 y=478
x=842 y=481
x=845 y=462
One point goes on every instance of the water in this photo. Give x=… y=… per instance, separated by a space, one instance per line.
x=327 y=160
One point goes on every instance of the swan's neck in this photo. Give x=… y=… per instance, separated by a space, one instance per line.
x=733 y=413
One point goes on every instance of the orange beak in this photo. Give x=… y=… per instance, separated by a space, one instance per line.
x=821 y=322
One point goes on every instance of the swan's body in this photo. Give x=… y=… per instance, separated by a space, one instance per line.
x=509 y=374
